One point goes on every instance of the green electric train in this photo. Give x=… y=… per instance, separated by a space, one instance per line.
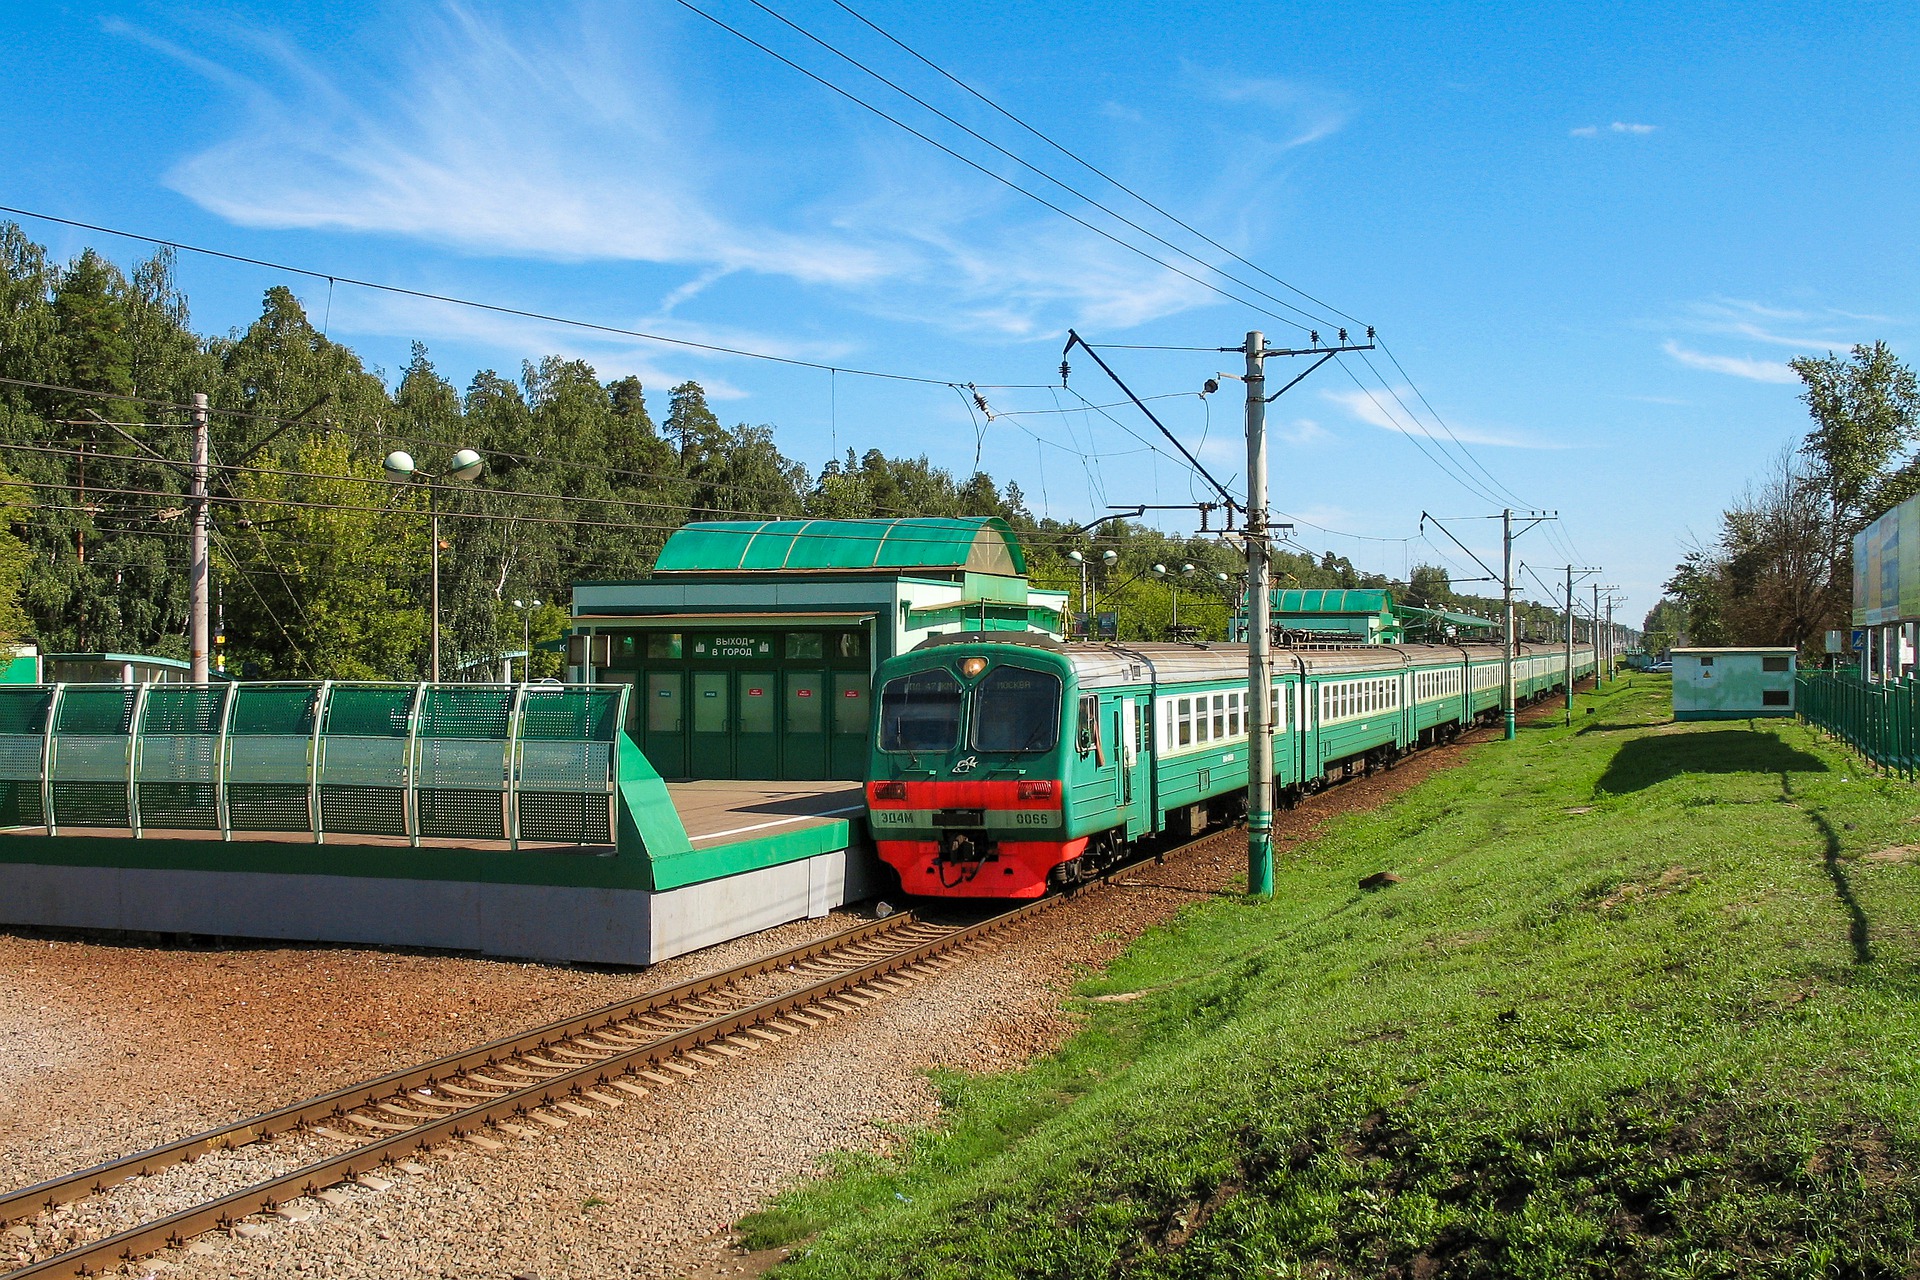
x=1004 y=765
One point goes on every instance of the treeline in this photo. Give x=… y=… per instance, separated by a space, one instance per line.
x=321 y=563
x=1779 y=569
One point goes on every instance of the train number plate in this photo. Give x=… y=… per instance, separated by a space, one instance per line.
x=892 y=817
x=959 y=817
x=1033 y=817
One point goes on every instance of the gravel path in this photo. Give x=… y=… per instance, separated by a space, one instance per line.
x=107 y=1049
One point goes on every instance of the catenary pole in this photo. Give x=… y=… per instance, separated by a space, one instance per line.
x=1569 y=640
x=1506 y=652
x=1600 y=673
x=1259 y=630
x=433 y=656
x=199 y=638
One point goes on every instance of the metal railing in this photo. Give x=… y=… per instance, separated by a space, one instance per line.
x=533 y=762
x=1880 y=721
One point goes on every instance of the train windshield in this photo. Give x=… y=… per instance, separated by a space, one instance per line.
x=1015 y=709
x=920 y=712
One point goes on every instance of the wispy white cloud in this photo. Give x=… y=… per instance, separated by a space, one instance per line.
x=1801 y=328
x=1618 y=126
x=1737 y=366
x=1374 y=411
x=1302 y=431
x=574 y=138
x=1307 y=113
x=1805 y=329
x=544 y=145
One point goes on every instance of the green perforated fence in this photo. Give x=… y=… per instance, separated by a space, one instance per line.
x=464 y=762
x=1880 y=721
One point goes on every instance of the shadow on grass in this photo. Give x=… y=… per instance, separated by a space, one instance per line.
x=1647 y=761
x=1859 y=935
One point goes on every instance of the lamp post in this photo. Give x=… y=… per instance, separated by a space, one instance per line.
x=1108 y=559
x=399 y=466
x=1173 y=590
x=526 y=640
x=1081 y=560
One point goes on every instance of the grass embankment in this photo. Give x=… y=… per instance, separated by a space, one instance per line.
x=1642 y=1004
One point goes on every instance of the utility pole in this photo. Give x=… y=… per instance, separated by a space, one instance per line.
x=199 y=629
x=1505 y=579
x=1258 y=535
x=1259 y=629
x=1506 y=596
x=1571 y=571
x=1612 y=637
x=1600 y=670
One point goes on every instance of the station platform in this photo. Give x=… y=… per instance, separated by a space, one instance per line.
x=566 y=847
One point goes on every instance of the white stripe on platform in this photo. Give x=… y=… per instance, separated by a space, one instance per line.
x=777 y=822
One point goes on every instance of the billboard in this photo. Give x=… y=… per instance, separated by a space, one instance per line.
x=1886 y=582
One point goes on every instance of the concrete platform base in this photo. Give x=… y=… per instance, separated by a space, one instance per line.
x=542 y=922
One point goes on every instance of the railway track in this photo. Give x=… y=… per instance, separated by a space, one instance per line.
x=536 y=1081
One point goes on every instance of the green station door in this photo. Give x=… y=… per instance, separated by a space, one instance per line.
x=757 y=705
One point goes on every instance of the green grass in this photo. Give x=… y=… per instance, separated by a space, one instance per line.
x=1674 y=1035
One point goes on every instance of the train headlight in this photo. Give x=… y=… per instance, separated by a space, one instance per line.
x=889 y=791
x=1036 y=790
x=971 y=667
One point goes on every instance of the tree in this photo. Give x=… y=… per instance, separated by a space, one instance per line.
x=324 y=588
x=1665 y=626
x=1779 y=570
x=1429 y=586
x=1866 y=412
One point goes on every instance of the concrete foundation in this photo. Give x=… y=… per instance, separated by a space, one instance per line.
x=543 y=922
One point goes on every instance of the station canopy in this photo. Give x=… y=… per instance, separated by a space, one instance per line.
x=971 y=544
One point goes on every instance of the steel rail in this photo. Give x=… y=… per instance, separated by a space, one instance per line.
x=175 y=1229
x=29 y=1201
x=32 y=1200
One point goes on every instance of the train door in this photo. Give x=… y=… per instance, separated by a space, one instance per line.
x=852 y=705
x=757 y=740
x=803 y=740
x=710 y=744
x=1130 y=729
x=666 y=740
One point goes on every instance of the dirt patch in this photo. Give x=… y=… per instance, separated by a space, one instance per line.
x=1898 y=853
x=1672 y=880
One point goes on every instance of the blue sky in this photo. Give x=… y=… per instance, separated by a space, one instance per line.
x=1592 y=235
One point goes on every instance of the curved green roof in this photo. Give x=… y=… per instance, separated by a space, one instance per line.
x=1331 y=601
x=980 y=544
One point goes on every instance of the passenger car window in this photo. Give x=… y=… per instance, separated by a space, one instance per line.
x=920 y=712
x=1016 y=709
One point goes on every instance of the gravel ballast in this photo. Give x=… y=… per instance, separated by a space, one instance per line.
x=107 y=1049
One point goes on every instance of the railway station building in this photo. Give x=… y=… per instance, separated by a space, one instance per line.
x=750 y=650
x=1346 y=616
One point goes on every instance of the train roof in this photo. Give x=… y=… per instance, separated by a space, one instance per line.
x=1116 y=663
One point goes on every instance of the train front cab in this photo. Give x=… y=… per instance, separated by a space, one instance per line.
x=989 y=771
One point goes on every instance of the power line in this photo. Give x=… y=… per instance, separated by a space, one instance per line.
x=857 y=100
x=1465 y=481
x=1459 y=445
x=1085 y=164
x=1443 y=423
x=499 y=309
x=1035 y=169
x=379 y=432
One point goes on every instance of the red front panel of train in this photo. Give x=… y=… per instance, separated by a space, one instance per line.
x=909 y=818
